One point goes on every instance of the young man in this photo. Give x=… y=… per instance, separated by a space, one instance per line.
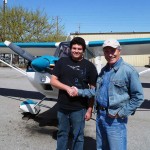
x=118 y=93
x=73 y=111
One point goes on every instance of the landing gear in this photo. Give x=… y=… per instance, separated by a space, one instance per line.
x=31 y=107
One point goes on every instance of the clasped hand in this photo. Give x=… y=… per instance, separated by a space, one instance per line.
x=72 y=91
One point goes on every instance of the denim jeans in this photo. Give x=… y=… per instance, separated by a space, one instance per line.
x=75 y=120
x=111 y=133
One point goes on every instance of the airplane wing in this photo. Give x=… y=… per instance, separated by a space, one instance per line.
x=33 y=48
x=132 y=46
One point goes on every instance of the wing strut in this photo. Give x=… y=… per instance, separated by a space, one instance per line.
x=14 y=67
x=145 y=71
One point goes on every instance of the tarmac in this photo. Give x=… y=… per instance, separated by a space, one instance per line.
x=39 y=133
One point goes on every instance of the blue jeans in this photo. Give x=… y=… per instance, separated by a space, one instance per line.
x=75 y=120
x=111 y=133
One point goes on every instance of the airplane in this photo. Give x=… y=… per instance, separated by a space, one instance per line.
x=39 y=70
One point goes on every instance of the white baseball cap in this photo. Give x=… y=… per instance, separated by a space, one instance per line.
x=112 y=43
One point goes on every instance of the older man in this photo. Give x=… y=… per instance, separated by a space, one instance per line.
x=118 y=93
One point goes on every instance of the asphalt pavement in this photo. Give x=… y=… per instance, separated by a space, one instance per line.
x=39 y=133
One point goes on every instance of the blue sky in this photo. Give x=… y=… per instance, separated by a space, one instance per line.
x=92 y=16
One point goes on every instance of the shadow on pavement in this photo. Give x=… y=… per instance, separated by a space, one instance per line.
x=20 y=93
x=48 y=118
x=89 y=143
x=146 y=85
x=146 y=104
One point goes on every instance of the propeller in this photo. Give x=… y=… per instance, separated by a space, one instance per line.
x=19 y=51
x=39 y=64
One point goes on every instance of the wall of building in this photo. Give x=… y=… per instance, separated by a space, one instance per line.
x=135 y=60
x=117 y=35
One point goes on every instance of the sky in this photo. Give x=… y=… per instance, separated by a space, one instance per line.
x=93 y=16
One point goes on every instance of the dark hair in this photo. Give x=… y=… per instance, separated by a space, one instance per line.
x=79 y=41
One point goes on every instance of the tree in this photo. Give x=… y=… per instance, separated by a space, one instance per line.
x=21 y=25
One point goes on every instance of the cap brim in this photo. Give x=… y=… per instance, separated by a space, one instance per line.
x=117 y=47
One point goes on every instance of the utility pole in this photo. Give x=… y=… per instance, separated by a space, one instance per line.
x=4 y=18
x=4 y=4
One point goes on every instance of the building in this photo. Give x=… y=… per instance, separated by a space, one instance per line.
x=135 y=60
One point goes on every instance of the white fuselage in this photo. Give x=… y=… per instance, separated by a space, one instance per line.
x=41 y=81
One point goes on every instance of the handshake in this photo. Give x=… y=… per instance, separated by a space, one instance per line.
x=72 y=91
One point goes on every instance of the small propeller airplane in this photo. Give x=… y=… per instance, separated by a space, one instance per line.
x=39 y=70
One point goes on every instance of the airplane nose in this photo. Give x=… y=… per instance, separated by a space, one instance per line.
x=40 y=64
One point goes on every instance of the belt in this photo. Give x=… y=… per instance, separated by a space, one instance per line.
x=102 y=108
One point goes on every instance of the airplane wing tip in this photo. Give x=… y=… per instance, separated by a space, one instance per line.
x=7 y=43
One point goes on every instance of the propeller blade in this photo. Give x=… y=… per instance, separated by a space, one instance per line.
x=26 y=55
